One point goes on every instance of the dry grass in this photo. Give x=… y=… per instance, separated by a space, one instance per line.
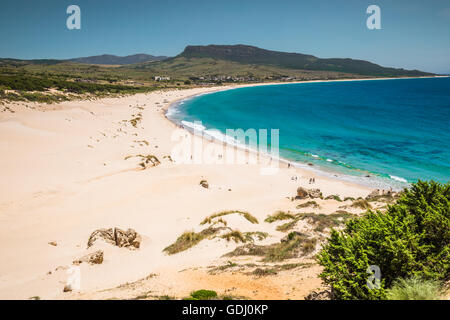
x=189 y=239
x=362 y=204
x=313 y=204
x=264 y=272
x=250 y=236
x=279 y=215
x=235 y=235
x=388 y=198
x=295 y=244
x=136 y=120
x=334 y=197
x=274 y=269
x=320 y=221
x=288 y=225
x=146 y=160
x=238 y=236
x=141 y=142
x=245 y=214
x=224 y=267
x=326 y=221
x=291 y=248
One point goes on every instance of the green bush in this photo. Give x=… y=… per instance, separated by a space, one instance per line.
x=204 y=294
x=414 y=289
x=412 y=239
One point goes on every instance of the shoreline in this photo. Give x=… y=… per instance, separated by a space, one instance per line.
x=383 y=182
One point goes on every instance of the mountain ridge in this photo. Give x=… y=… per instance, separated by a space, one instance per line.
x=253 y=55
x=109 y=59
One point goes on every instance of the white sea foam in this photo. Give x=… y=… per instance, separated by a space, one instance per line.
x=398 y=179
x=194 y=126
x=171 y=112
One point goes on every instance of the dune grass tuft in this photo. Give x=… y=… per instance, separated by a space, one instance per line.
x=334 y=197
x=288 y=225
x=313 y=204
x=189 y=239
x=235 y=235
x=279 y=215
x=319 y=220
x=295 y=243
x=238 y=236
x=291 y=247
x=414 y=289
x=245 y=214
x=362 y=204
x=250 y=236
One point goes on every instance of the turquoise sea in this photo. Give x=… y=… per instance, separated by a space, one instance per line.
x=376 y=132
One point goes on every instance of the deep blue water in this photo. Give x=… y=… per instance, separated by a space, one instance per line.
x=395 y=131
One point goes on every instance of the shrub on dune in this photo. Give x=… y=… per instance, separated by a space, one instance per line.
x=412 y=238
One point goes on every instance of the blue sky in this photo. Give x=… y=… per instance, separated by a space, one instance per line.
x=415 y=34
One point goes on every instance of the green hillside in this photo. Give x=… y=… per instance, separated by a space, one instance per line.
x=213 y=69
x=253 y=55
x=32 y=80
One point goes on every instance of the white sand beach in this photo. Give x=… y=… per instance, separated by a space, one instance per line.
x=64 y=175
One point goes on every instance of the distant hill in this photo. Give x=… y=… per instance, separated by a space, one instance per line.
x=19 y=62
x=256 y=56
x=106 y=59
x=109 y=59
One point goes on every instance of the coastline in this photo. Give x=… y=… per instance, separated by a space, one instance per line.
x=67 y=171
x=286 y=162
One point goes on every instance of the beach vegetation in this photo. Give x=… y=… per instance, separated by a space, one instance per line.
x=166 y=297
x=410 y=239
x=219 y=221
x=414 y=289
x=190 y=238
x=146 y=160
x=307 y=204
x=245 y=214
x=235 y=235
x=362 y=204
x=279 y=215
x=238 y=236
x=22 y=85
x=292 y=246
x=288 y=225
x=260 y=272
x=142 y=142
x=203 y=294
x=250 y=236
x=204 y=184
x=228 y=265
x=135 y=121
x=333 y=197
x=320 y=221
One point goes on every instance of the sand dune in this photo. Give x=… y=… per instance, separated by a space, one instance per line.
x=64 y=175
